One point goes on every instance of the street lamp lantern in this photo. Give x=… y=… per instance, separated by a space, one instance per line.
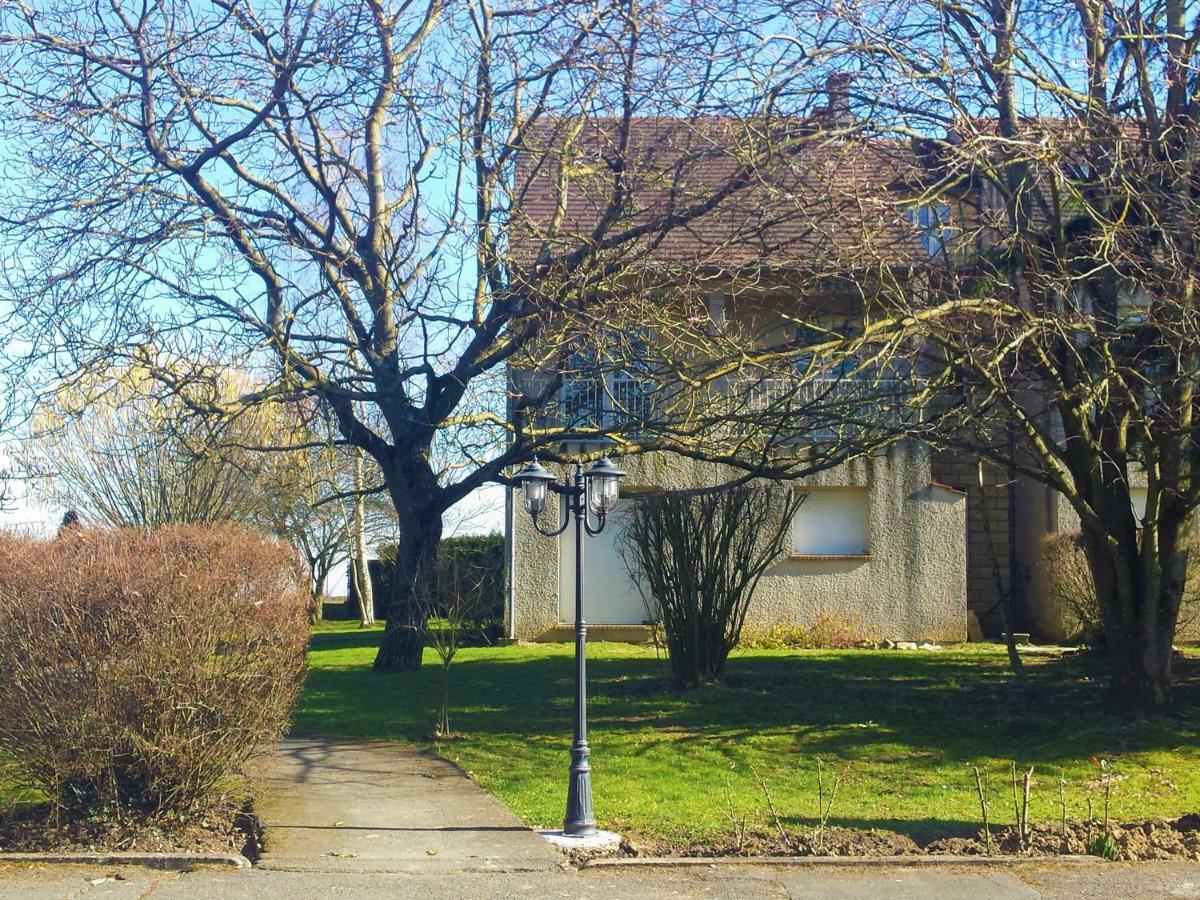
x=603 y=486
x=589 y=493
x=534 y=481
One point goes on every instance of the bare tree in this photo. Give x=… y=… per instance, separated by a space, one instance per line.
x=299 y=501
x=1053 y=197
x=357 y=528
x=283 y=183
x=460 y=599
x=123 y=450
x=114 y=447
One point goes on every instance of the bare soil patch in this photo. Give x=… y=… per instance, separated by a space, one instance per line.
x=1131 y=842
x=37 y=829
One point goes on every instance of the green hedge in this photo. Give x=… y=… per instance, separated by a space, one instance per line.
x=471 y=562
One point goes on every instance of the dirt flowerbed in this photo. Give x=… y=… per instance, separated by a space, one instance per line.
x=1177 y=839
x=36 y=829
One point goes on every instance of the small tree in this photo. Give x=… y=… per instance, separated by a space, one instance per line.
x=700 y=555
x=461 y=599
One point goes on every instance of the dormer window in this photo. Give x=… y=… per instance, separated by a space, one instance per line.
x=932 y=221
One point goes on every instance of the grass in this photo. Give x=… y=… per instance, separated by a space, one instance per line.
x=343 y=626
x=905 y=727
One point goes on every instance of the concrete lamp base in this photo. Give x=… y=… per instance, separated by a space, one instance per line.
x=598 y=842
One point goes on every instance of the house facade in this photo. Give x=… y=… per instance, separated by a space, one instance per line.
x=905 y=543
x=877 y=544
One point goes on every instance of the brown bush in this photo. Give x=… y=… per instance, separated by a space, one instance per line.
x=827 y=632
x=139 y=672
x=701 y=556
x=1071 y=588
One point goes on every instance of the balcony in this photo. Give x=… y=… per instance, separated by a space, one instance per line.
x=586 y=407
x=828 y=410
x=810 y=411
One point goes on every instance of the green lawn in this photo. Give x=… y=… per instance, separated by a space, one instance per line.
x=343 y=626
x=905 y=726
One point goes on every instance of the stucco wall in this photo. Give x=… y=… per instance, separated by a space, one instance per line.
x=913 y=586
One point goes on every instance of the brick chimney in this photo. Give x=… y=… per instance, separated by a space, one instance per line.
x=837 y=92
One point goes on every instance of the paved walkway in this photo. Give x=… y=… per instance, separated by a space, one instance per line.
x=377 y=807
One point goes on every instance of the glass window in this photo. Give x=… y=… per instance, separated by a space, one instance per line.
x=932 y=221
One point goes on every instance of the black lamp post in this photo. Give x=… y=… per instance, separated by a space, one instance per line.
x=594 y=491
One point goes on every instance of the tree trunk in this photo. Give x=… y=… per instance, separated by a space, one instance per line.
x=1138 y=594
x=443 y=725
x=1141 y=679
x=414 y=575
x=362 y=573
x=362 y=590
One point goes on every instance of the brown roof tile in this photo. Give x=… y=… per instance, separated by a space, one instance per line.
x=793 y=193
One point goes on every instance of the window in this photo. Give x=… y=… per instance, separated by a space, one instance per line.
x=832 y=522
x=582 y=393
x=1133 y=305
x=807 y=336
x=607 y=389
x=932 y=220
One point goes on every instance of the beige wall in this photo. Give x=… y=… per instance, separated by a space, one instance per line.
x=912 y=586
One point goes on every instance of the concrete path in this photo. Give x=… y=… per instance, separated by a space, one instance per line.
x=376 y=807
x=1104 y=881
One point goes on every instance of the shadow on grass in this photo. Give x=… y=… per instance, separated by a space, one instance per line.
x=340 y=640
x=948 y=707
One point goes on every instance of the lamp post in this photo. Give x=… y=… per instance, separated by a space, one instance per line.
x=594 y=491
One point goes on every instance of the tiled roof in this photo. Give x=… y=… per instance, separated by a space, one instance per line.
x=793 y=192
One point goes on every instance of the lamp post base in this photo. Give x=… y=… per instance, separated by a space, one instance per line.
x=598 y=843
x=580 y=820
x=593 y=845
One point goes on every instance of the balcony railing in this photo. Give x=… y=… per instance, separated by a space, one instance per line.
x=830 y=409
x=584 y=407
x=820 y=410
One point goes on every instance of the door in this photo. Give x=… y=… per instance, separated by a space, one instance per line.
x=610 y=596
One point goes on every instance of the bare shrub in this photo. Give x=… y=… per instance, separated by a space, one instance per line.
x=1071 y=588
x=459 y=606
x=700 y=555
x=827 y=632
x=139 y=672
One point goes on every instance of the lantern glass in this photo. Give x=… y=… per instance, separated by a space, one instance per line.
x=535 y=485
x=533 y=492
x=603 y=486
x=603 y=492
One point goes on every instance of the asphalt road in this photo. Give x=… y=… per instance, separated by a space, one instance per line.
x=1109 y=881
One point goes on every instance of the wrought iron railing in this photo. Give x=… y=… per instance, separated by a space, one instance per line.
x=585 y=408
x=801 y=410
x=829 y=409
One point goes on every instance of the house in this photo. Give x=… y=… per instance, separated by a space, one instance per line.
x=905 y=543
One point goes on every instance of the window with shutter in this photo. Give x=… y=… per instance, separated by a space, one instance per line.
x=832 y=522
